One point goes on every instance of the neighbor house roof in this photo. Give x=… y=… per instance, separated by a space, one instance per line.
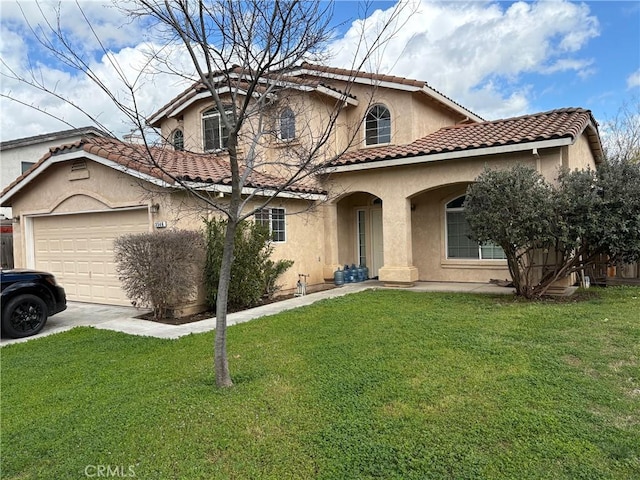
x=51 y=137
x=540 y=130
x=167 y=166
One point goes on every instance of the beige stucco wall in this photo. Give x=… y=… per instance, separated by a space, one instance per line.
x=413 y=115
x=60 y=190
x=580 y=155
x=103 y=188
x=413 y=199
x=429 y=243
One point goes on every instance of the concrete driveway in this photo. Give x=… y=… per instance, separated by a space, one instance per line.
x=121 y=319
x=81 y=314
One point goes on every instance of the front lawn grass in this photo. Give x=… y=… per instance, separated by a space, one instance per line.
x=380 y=384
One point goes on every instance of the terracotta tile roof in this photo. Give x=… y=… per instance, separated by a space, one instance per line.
x=195 y=89
x=555 y=124
x=308 y=79
x=360 y=74
x=383 y=78
x=186 y=166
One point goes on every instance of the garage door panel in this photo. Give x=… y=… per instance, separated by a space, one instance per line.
x=79 y=245
x=79 y=268
x=55 y=266
x=78 y=249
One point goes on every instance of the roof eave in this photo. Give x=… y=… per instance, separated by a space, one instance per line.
x=205 y=186
x=595 y=142
x=264 y=192
x=394 y=85
x=75 y=155
x=450 y=104
x=453 y=155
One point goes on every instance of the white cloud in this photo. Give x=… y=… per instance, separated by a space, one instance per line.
x=461 y=48
x=152 y=90
x=633 y=80
x=476 y=52
x=107 y=21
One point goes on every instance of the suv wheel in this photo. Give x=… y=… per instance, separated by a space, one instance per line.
x=23 y=316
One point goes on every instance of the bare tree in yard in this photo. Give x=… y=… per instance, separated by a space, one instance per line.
x=242 y=53
x=621 y=134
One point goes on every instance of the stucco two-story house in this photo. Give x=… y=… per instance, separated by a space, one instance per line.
x=401 y=156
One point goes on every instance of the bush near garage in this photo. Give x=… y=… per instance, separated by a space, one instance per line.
x=161 y=269
x=253 y=273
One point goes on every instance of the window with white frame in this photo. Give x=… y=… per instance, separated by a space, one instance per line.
x=378 y=125
x=362 y=237
x=215 y=134
x=287 y=124
x=274 y=219
x=459 y=245
x=178 y=140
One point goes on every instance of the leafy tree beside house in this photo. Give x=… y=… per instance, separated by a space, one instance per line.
x=550 y=231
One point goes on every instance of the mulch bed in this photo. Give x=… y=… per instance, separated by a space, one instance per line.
x=196 y=317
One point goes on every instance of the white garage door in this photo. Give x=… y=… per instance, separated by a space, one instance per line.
x=78 y=249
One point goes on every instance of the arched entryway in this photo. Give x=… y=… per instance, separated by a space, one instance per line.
x=360 y=232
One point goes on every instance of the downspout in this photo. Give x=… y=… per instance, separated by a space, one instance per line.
x=536 y=155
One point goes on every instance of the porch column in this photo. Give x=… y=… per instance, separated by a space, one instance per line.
x=330 y=211
x=396 y=230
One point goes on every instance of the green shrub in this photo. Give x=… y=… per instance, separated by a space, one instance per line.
x=272 y=270
x=161 y=269
x=253 y=273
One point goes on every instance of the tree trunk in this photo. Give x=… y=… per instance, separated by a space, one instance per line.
x=221 y=362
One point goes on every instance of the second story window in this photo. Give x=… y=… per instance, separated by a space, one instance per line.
x=287 y=124
x=177 y=140
x=378 y=125
x=215 y=134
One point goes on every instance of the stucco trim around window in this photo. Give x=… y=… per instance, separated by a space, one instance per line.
x=458 y=247
x=377 y=125
x=287 y=125
x=177 y=140
x=275 y=219
x=214 y=133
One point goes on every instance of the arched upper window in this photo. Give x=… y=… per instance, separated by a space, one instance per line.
x=214 y=132
x=459 y=245
x=378 y=125
x=287 y=124
x=177 y=140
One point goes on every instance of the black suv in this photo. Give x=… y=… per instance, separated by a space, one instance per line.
x=28 y=299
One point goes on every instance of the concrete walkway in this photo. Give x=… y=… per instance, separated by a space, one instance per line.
x=121 y=319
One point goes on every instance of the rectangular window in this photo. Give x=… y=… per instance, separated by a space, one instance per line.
x=215 y=133
x=459 y=245
x=491 y=251
x=274 y=219
x=26 y=166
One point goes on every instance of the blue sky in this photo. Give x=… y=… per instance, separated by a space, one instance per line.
x=499 y=59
